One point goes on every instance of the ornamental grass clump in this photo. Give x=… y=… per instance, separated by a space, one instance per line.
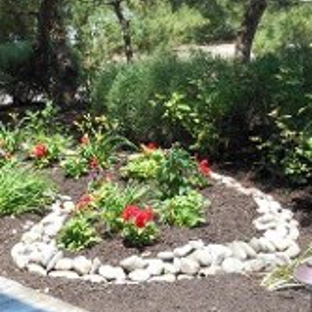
x=23 y=190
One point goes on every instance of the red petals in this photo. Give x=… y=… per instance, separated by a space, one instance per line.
x=139 y=216
x=130 y=212
x=141 y=220
x=152 y=146
x=84 y=202
x=204 y=167
x=94 y=163
x=40 y=150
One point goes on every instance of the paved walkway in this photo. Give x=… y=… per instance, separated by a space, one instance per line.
x=16 y=298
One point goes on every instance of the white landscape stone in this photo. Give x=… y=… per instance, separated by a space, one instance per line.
x=183 y=251
x=212 y=270
x=69 y=206
x=48 y=252
x=166 y=255
x=94 y=278
x=232 y=265
x=64 y=274
x=112 y=273
x=96 y=263
x=293 y=251
x=82 y=265
x=196 y=244
x=202 y=256
x=266 y=245
x=182 y=277
x=59 y=255
x=155 y=267
x=255 y=244
x=169 y=278
x=237 y=251
x=250 y=252
x=139 y=275
x=189 y=267
x=133 y=263
x=170 y=268
x=254 y=265
x=177 y=264
x=36 y=268
x=281 y=243
x=65 y=264
x=219 y=253
x=31 y=237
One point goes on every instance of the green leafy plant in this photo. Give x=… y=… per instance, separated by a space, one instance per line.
x=10 y=137
x=144 y=166
x=288 y=149
x=23 y=190
x=178 y=173
x=75 y=166
x=78 y=233
x=185 y=210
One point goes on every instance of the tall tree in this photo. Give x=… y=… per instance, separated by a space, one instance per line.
x=54 y=62
x=248 y=28
x=125 y=28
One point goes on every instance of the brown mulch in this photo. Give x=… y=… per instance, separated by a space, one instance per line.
x=229 y=218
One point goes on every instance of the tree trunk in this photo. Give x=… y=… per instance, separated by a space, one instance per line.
x=246 y=34
x=54 y=64
x=125 y=29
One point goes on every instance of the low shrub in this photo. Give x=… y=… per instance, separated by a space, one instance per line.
x=210 y=105
x=78 y=233
x=185 y=210
x=143 y=166
x=22 y=190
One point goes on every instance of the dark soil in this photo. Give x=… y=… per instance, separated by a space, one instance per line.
x=229 y=218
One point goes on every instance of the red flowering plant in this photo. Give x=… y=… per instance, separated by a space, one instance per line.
x=46 y=149
x=204 y=167
x=85 y=202
x=40 y=153
x=139 y=226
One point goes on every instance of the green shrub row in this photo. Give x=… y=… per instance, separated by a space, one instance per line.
x=212 y=105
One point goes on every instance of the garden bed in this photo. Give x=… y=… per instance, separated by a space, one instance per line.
x=230 y=218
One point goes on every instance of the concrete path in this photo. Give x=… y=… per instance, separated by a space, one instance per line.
x=16 y=298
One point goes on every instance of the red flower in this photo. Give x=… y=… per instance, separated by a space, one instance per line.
x=204 y=167
x=130 y=212
x=40 y=150
x=85 y=139
x=152 y=145
x=94 y=163
x=84 y=202
x=150 y=214
x=141 y=219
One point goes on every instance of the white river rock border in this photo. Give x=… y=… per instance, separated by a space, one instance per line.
x=38 y=252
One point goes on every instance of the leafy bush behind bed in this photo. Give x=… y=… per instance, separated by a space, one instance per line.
x=212 y=104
